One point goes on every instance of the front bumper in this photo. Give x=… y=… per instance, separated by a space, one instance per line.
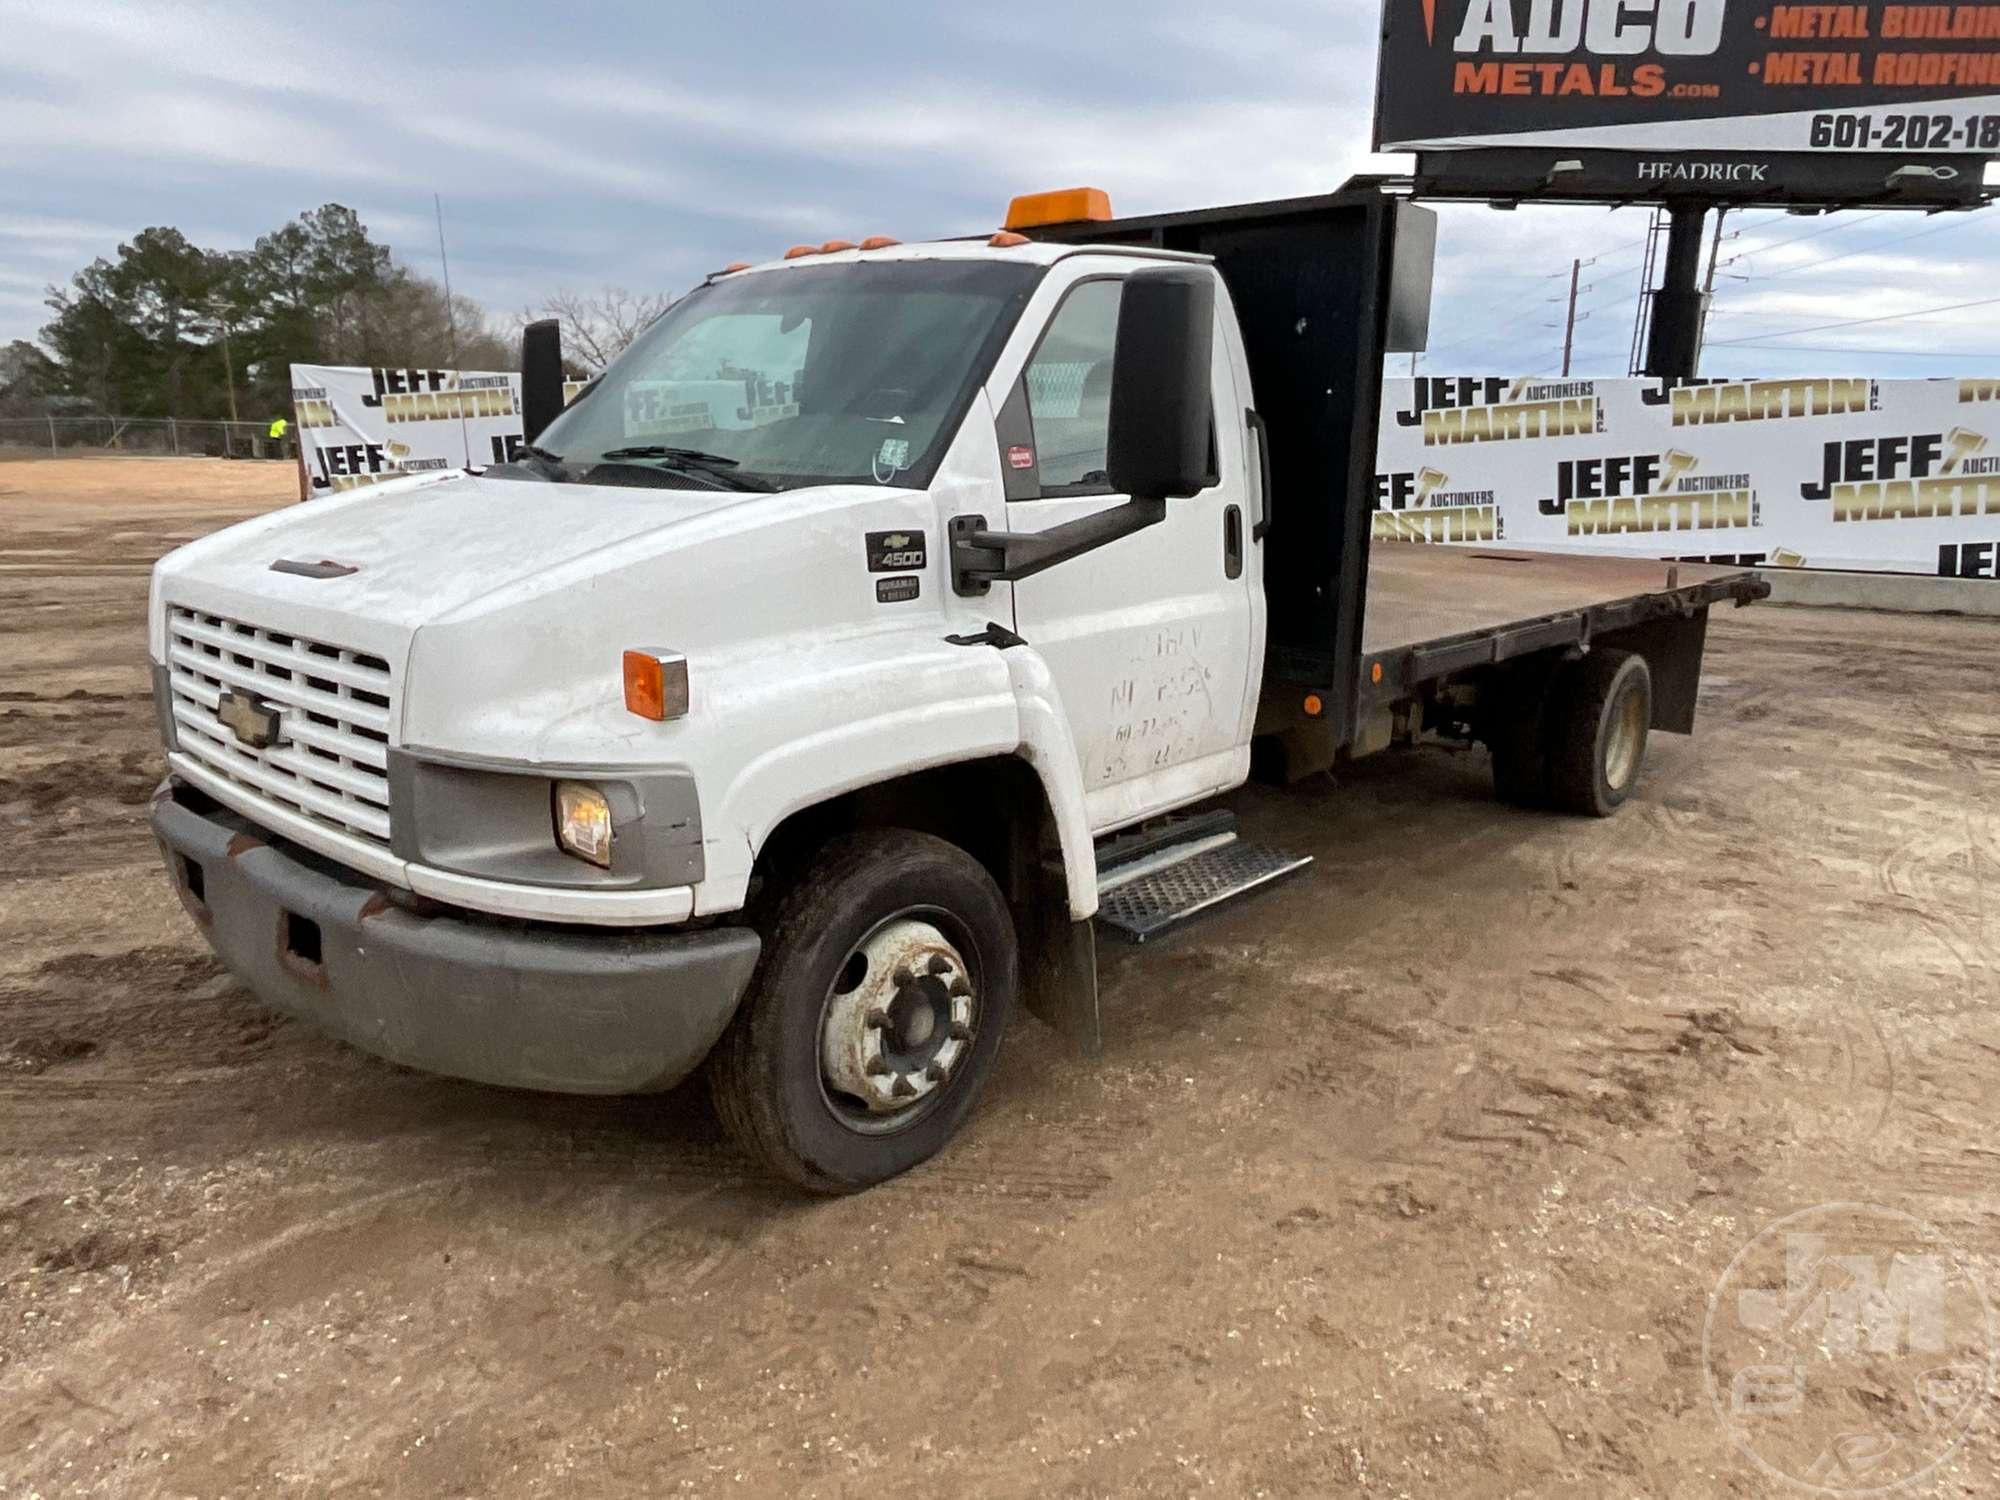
x=565 y=1010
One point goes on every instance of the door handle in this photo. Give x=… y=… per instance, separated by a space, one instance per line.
x=1232 y=541
x=1254 y=420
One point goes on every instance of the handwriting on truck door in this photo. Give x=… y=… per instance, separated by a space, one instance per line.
x=1159 y=707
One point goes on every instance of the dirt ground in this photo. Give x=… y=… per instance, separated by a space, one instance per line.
x=1413 y=1177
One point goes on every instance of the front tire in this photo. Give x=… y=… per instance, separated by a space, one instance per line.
x=888 y=976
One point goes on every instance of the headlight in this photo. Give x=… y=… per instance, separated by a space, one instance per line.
x=583 y=822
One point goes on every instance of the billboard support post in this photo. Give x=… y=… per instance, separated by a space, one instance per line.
x=1673 y=351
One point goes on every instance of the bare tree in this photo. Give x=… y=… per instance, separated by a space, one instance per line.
x=597 y=326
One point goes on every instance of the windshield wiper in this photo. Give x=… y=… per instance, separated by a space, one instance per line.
x=530 y=462
x=714 y=466
x=691 y=455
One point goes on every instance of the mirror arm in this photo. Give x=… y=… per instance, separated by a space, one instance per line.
x=982 y=558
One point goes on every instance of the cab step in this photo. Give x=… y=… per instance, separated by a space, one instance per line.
x=1158 y=878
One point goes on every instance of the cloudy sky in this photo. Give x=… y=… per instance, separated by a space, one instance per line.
x=647 y=143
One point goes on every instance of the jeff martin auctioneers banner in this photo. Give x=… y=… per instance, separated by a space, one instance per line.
x=1878 y=475
x=360 y=426
x=1898 y=476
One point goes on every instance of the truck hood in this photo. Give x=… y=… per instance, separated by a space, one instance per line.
x=503 y=605
x=424 y=549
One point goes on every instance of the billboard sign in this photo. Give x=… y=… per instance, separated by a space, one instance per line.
x=1921 y=81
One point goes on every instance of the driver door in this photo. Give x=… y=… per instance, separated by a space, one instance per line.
x=1153 y=640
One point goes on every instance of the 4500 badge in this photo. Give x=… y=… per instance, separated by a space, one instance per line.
x=897 y=552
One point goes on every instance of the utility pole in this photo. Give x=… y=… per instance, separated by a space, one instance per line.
x=1708 y=287
x=1569 y=325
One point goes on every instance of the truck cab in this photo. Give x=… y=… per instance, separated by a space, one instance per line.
x=776 y=710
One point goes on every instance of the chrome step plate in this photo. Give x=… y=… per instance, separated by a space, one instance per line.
x=1162 y=899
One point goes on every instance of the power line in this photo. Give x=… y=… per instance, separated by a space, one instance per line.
x=1875 y=353
x=1485 y=335
x=1869 y=249
x=1977 y=270
x=1534 y=309
x=1919 y=312
x=1815 y=234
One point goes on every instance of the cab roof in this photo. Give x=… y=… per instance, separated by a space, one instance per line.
x=1028 y=252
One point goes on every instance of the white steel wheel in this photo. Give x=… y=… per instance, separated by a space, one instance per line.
x=1600 y=715
x=898 y=1022
x=1625 y=739
x=886 y=981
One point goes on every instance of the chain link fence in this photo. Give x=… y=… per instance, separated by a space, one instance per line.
x=159 y=437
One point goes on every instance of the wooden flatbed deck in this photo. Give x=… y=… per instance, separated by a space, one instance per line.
x=1435 y=611
x=1421 y=595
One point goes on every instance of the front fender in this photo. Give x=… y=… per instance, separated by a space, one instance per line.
x=1048 y=746
x=872 y=711
x=836 y=719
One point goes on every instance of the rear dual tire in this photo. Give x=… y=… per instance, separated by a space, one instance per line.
x=1575 y=740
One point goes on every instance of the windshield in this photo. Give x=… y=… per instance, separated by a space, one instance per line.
x=855 y=373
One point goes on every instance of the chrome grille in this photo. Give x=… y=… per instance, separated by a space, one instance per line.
x=331 y=759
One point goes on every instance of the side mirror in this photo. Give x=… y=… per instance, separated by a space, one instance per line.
x=541 y=377
x=1160 y=403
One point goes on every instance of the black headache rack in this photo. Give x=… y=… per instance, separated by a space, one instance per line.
x=1324 y=287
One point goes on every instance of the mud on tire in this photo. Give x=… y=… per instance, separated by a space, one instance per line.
x=768 y=1076
x=1599 y=714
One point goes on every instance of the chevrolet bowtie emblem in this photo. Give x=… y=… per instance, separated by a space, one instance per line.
x=253 y=721
x=896 y=542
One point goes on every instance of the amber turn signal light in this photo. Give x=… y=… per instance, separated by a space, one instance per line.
x=656 y=684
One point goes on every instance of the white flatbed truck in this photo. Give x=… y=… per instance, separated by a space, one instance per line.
x=807 y=692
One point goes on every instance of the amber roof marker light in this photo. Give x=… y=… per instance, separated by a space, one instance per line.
x=1064 y=206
